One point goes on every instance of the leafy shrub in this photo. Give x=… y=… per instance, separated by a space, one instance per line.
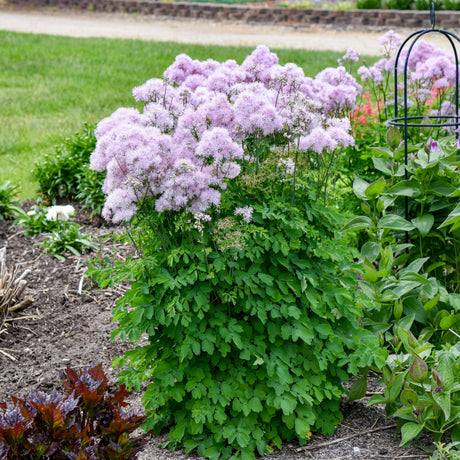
x=9 y=206
x=426 y=4
x=452 y=5
x=368 y=4
x=409 y=264
x=248 y=345
x=398 y=4
x=87 y=420
x=90 y=193
x=431 y=184
x=65 y=175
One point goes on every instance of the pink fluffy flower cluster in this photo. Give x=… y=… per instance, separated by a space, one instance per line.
x=188 y=141
x=428 y=65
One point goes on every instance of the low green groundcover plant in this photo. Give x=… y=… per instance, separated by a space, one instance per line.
x=62 y=236
x=88 y=420
x=243 y=283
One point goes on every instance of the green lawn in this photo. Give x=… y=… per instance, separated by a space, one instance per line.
x=50 y=86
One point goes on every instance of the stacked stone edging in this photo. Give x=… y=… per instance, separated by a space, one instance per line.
x=253 y=14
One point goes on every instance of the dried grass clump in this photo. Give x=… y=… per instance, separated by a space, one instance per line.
x=12 y=286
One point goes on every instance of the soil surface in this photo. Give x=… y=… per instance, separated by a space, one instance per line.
x=69 y=323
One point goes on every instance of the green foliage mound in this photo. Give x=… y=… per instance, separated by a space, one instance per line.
x=368 y=4
x=398 y=4
x=252 y=326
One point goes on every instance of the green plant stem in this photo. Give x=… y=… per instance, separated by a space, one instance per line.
x=294 y=176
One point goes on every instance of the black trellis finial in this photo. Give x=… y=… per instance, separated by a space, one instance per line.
x=432 y=16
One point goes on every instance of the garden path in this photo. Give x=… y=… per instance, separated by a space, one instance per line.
x=91 y=24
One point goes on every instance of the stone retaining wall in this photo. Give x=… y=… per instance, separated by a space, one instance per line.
x=253 y=14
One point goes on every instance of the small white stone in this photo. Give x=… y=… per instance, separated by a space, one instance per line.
x=356 y=449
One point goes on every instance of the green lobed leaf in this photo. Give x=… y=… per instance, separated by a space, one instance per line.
x=302 y=428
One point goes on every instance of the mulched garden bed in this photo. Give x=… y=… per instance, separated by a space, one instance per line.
x=69 y=323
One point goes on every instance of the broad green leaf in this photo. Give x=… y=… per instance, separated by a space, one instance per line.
x=443 y=399
x=410 y=431
x=370 y=273
x=393 y=137
x=196 y=348
x=394 y=387
x=445 y=370
x=368 y=289
x=452 y=218
x=370 y=251
x=385 y=151
x=377 y=399
x=416 y=265
x=359 y=187
x=324 y=329
x=409 y=397
x=229 y=433
x=424 y=223
x=375 y=189
x=403 y=412
x=247 y=454
x=403 y=287
x=442 y=188
x=409 y=188
x=265 y=278
x=357 y=389
x=395 y=222
x=358 y=223
x=382 y=165
x=455 y=433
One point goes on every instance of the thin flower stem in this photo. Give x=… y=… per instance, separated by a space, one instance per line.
x=294 y=176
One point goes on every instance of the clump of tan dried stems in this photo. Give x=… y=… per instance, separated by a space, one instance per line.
x=12 y=285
